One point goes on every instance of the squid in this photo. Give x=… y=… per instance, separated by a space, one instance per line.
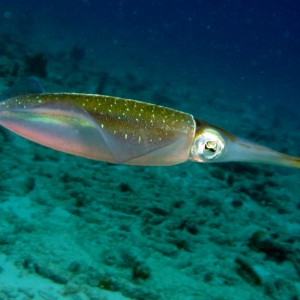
x=124 y=131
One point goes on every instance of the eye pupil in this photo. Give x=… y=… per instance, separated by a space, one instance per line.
x=211 y=146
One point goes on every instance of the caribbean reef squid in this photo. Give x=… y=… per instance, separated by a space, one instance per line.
x=124 y=131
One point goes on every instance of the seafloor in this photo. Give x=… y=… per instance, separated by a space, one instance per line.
x=77 y=229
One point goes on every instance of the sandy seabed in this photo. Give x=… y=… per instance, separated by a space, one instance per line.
x=76 y=229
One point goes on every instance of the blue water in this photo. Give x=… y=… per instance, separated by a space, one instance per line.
x=252 y=45
x=235 y=64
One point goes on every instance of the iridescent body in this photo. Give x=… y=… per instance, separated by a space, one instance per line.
x=101 y=127
x=124 y=131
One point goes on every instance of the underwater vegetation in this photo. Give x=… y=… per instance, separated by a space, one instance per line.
x=77 y=55
x=36 y=65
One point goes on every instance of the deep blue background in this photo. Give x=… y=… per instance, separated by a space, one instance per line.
x=250 y=45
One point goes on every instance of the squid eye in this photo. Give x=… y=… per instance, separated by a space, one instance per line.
x=208 y=145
